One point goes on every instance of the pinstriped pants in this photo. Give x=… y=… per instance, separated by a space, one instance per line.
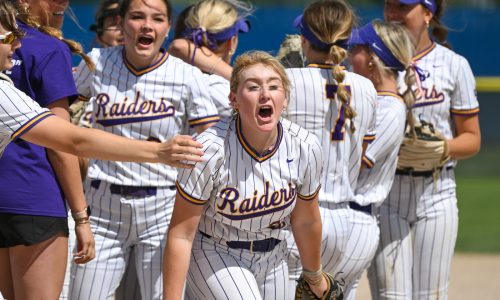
x=120 y=223
x=418 y=231
x=219 y=272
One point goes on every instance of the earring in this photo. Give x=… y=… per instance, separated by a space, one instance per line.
x=370 y=65
x=427 y=23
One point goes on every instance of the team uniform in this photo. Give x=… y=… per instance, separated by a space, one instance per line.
x=419 y=219
x=240 y=250
x=373 y=185
x=314 y=105
x=18 y=113
x=132 y=202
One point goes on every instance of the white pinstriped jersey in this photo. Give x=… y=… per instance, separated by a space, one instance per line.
x=248 y=196
x=449 y=89
x=152 y=104
x=380 y=159
x=219 y=93
x=18 y=112
x=313 y=104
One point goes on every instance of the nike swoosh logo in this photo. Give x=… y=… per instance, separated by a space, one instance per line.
x=289 y=160
x=437 y=66
x=374 y=45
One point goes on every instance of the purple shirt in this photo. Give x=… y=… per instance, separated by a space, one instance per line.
x=28 y=184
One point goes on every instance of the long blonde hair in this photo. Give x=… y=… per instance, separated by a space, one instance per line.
x=331 y=21
x=31 y=20
x=397 y=39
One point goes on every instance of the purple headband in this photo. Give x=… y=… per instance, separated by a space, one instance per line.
x=300 y=23
x=367 y=36
x=196 y=34
x=429 y=4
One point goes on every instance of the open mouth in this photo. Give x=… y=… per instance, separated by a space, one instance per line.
x=265 y=111
x=145 y=40
x=58 y=13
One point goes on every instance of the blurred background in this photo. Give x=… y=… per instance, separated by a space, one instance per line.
x=474 y=33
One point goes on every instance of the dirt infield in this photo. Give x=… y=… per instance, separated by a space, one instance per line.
x=473 y=276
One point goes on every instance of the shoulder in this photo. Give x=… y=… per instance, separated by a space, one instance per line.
x=441 y=55
x=360 y=86
x=38 y=43
x=296 y=132
x=215 y=135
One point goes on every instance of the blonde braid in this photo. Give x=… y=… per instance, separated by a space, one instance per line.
x=409 y=97
x=337 y=55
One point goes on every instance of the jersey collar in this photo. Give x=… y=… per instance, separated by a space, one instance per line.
x=260 y=157
x=390 y=94
x=424 y=52
x=142 y=71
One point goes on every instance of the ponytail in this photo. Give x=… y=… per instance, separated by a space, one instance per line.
x=409 y=96
x=338 y=54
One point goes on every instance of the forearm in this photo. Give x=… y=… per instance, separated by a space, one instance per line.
x=67 y=171
x=175 y=267
x=102 y=145
x=306 y=229
x=464 y=146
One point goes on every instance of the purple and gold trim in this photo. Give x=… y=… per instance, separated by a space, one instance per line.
x=367 y=162
x=310 y=197
x=369 y=138
x=424 y=52
x=465 y=112
x=83 y=98
x=204 y=120
x=254 y=154
x=29 y=124
x=145 y=70
x=188 y=197
x=390 y=94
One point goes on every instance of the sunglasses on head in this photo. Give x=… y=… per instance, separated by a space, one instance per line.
x=8 y=38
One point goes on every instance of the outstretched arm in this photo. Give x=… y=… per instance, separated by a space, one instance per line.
x=180 y=237
x=58 y=134
x=204 y=58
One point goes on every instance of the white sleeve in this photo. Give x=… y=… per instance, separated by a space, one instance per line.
x=18 y=113
x=84 y=76
x=200 y=107
x=196 y=185
x=311 y=182
x=464 y=96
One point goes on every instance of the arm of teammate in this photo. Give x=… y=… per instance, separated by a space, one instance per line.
x=306 y=229
x=55 y=133
x=467 y=143
x=204 y=59
x=67 y=170
x=181 y=232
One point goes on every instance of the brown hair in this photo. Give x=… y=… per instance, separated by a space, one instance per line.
x=252 y=58
x=126 y=5
x=34 y=21
x=8 y=18
x=438 y=30
x=331 y=21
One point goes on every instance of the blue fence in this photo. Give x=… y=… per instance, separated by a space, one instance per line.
x=474 y=33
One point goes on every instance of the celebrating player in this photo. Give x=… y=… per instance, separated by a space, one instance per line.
x=205 y=33
x=324 y=100
x=261 y=174
x=27 y=248
x=139 y=91
x=380 y=51
x=419 y=219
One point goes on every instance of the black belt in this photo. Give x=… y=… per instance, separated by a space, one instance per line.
x=129 y=190
x=366 y=208
x=254 y=246
x=419 y=173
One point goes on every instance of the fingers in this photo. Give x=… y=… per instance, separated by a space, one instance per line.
x=187 y=140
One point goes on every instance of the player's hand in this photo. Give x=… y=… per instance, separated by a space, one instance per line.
x=181 y=151
x=85 y=244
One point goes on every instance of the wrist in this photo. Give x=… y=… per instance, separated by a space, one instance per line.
x=313 y=277
x=81 y=216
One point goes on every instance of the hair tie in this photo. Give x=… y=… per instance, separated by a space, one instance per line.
x=422 y=75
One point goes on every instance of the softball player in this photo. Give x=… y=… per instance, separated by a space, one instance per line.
x=231 y=210
x=203 y=29
x=324 y=100
x=139 y=91
x=380 y=51
x=419 y=219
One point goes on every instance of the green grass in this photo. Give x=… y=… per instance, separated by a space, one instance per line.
x=479 y=214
